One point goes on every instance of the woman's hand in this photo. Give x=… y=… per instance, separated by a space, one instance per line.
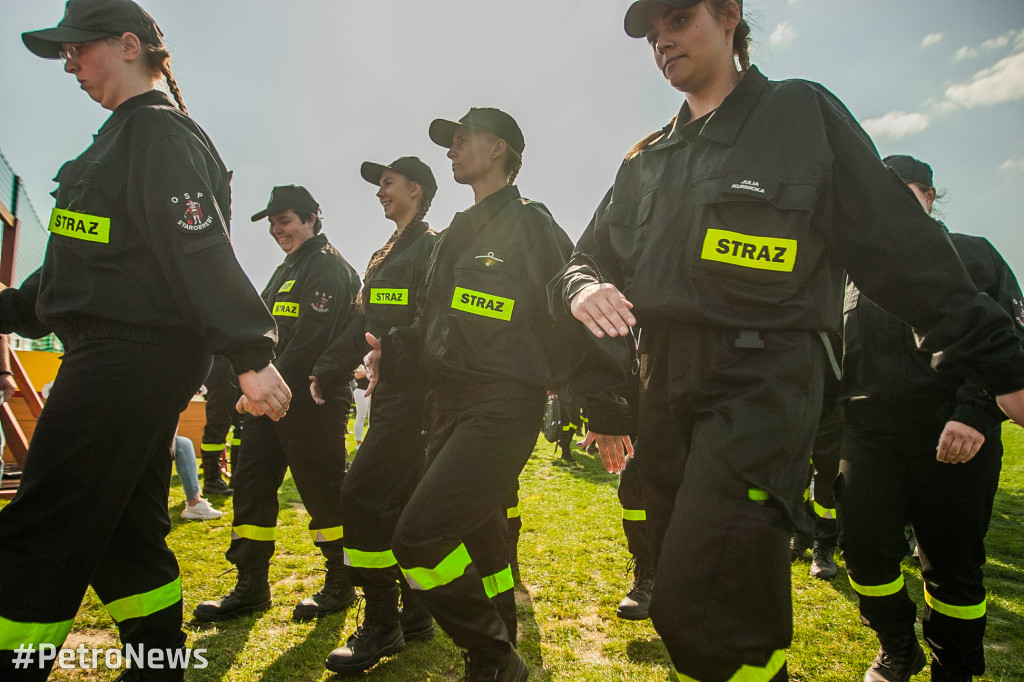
x=371 y=362
x=603 y=309
x=264 y=393
x=958 y=443
x=316 y=392
x=613 y=450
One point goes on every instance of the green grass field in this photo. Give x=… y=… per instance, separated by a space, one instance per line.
x=573 y=574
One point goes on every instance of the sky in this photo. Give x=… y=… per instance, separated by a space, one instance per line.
x=304 y=91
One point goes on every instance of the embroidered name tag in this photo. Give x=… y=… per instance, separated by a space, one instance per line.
x=389 y=296
x=479 y=303
x=747 y=251
x=283 y=309
x=286 y=287
x=90 y=228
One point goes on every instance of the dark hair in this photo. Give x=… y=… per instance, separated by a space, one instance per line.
x=740 y=50
x=306 y=216
x=158 y=62
x=513 y=164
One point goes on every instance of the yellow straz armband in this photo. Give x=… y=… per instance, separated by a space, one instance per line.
x=389 y=296
x=90 y=228
x=286 y=287
x=286 y=309
x=747 y=251
x=479 y=303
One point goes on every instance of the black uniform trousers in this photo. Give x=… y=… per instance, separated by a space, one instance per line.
x=222 y=394
x=889 y=478
x=634 y=514
x=310 y=440
x=821 y=524
x=92 y=505
x=380 y=481
x=725 y=430
x=451 y=540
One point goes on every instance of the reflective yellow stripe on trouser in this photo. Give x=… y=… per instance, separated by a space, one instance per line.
x=878 y=590
x=824 y=512
x=501 y=581
x=634 y=514
x=750 y=673
x=961 y=612
x=514 y=512
x=264 y=533
x=212 y=447
x=147 y=603
x=450 y=568
x=359 y=559
x=328 y=534
x=13 y=633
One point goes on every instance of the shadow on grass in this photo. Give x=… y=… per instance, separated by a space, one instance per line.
x=529 y=634
x=586 y=468
x=648 y=650
x=320 y=641
x=223 y=641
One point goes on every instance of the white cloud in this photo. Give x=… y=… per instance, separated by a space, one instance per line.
x=965 y=52
x=783 y=35
x=1012 y=165
x=931 y=39
x=999 y=41
x=1003 y=82
x=896 y=125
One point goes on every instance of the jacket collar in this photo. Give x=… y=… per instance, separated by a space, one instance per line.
x=722 y=125
x=146 y=99
x=484 y=212
x=317 y=242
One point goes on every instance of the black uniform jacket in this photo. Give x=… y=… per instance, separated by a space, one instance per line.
x=312 y=297
x=889 y=383
x=139 y=246
x=482 y=314
x=389 y=296
x=746 y=219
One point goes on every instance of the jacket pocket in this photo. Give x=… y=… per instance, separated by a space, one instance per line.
x=754 y=231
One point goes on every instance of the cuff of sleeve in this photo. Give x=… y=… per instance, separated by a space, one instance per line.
x=977 y=417
x=609 y=418
x=250 y=360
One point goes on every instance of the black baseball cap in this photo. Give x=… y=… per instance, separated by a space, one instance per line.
x=295 y=197
x=910 y=169
x=86 y=20
x=409 y=166
x=494 y=121
x=636 y=24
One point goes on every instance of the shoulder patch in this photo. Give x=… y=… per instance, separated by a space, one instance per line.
x=193 y=211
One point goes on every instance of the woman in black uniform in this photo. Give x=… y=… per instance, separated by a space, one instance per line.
x=140 y=283
x=391 y=459
x=720 y=249
x=486 y=344
x=922 y=447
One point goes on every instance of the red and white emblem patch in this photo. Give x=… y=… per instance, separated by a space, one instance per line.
x=193 y=218
x=323 y=302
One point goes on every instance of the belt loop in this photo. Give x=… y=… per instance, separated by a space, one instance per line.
x=749 y=339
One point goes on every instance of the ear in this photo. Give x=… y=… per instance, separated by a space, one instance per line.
x=499 y=148
x=732 y=16
x=415 y=189
x=131 y=46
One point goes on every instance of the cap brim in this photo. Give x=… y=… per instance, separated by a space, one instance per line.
x=47 y=42
x=261 y=215
x=636 y=23
x=442 y=132
x=371 y=172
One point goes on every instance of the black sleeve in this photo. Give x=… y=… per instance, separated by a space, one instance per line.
x=334 y=367
x=975 y=406
x=18 y=309
x=326 y=297
x=197 y=259
x=903 y=260
x=600 y=370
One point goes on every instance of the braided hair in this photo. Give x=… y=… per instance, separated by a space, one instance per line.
x=158 y=61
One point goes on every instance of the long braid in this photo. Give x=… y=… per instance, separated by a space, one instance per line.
x=173 y=85
x=381 y=254
x=158 y=62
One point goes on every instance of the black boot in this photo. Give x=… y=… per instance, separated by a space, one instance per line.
x=483 y=669
x=250 y=594
x=636 y=605
x=417 y=623
x=798 y=544
x=379 y=635
x=823 y=565
x=213 y=484
x=336 y=594
x=899 y=658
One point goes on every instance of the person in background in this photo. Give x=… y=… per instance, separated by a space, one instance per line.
x=362 y=403
x=222 y=422
x=140 y=284
x=924 y=447
x=195 y=508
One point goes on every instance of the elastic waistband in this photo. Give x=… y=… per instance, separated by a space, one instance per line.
x=74 y=333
